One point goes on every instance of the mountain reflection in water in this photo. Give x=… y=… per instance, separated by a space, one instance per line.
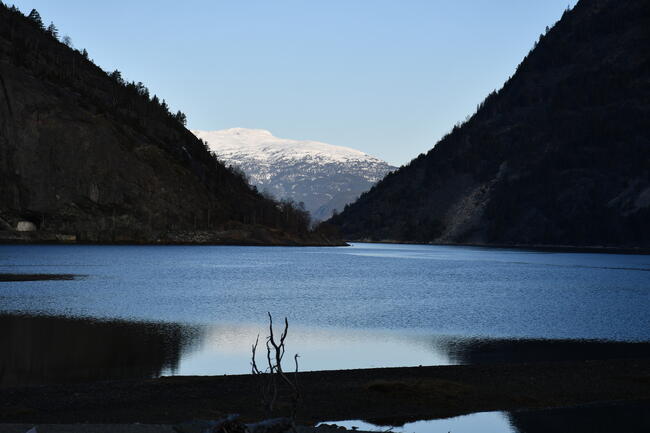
x=495 y=351
x=46 y=349
x=629 y=417
x=42 y=350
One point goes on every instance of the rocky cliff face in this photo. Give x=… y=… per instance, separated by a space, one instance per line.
x=322 y=176
x=559 y=156
x=85 y=156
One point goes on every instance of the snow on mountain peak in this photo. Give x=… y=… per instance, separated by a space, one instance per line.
x=245 y=131
x=262 y=145
x=323 y=176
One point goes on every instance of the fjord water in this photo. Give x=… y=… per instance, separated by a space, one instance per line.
x=151 y=310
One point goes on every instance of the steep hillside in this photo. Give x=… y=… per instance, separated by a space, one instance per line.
x=86 y=156
x=322 y=176
x=559 y=156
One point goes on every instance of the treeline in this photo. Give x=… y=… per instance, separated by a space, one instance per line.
x=125 y=93
x=41 y=51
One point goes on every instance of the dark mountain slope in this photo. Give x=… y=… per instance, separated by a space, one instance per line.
x=559 y=156
x=86 y=156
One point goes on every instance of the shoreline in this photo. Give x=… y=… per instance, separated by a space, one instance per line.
x=174 y=239
x=384 y=396
x=180 y=244
x=208 y=239
x=524 y=247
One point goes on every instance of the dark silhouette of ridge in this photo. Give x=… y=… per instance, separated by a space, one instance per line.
x=559 y=156
x=88 y=157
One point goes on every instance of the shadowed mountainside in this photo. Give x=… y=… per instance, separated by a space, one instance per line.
x=88 y=157
x=559 y=156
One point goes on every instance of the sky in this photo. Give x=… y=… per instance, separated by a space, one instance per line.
x=389 y=78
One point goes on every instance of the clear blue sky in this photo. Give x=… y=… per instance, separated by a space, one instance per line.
x=386 y=77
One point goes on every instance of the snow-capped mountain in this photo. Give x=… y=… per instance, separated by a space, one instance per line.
x=322 y=176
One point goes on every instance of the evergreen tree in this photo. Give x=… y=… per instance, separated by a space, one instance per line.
x=84 y=53
x=117 y=76
x=181 y=117
x=142 y=89
x=67 y=40
x=36 y=18
x=53 y=31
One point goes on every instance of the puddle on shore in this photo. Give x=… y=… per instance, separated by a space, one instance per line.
x=629 y=417
x=483 y=422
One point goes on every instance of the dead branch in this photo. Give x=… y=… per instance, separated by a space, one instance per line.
x=275 y=350
x=254 y=368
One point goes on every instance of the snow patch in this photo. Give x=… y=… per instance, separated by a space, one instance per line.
x=263 y=146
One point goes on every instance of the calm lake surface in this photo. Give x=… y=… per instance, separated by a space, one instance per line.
x=139 y=311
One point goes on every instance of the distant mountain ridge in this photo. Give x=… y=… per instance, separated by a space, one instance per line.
x=560 y=155
x=323 y=176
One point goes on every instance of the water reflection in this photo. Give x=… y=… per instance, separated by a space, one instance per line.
x=41 y=350
x=47 y=349
x=493 y=351
x=483 y=422
x=226 y=349
x=629 y=417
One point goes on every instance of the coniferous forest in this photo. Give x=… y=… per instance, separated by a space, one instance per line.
x=560 y=155
x=87 y=155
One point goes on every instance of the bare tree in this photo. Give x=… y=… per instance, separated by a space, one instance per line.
x=274 y=375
